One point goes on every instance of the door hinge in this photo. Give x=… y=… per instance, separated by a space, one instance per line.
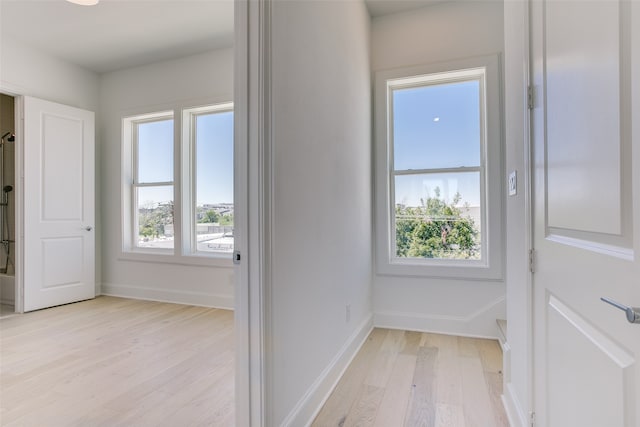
x=530 y=100
x=532 y=418
x=532 y=260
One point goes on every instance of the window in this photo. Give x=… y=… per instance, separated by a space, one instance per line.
x=211 y=193
x=438 y=172
x=178 y=184
x=152 y=183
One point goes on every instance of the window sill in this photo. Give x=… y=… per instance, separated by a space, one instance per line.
x=219 y=261
x=465 y=270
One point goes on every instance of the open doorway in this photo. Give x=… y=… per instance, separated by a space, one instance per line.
x=172 y=56
x=7 y=206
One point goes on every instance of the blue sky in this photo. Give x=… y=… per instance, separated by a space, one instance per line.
x=214 y=158
x=214 y=154
x=437 y=126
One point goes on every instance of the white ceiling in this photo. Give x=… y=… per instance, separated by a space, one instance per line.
x=117 y=34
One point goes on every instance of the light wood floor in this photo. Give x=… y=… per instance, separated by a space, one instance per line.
x=416 y=379
x=117 y=362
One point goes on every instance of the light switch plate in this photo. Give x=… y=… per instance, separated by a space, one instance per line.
x=513 y=183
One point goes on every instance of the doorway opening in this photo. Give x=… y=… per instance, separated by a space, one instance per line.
x=7 y=205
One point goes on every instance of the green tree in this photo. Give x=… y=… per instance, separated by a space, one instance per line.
x=152 y=219
x=226 y=219
x=210 y=216
x=436 y=229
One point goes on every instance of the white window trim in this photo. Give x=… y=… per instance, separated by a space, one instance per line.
x=178 y=256
x=490 y=267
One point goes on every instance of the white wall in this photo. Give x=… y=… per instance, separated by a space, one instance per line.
x=322 y=241
x=192 y=81
x=518 y=354
x=438 y=33
x=27 y=71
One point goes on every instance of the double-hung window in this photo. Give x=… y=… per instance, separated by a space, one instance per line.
x=152 y=181
x=209 y=190
x=178 y=184
x=438 y=187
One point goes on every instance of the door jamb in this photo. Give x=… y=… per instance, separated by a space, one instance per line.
x=18 y=107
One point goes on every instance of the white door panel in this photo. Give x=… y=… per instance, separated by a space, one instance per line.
x=586 y=143
x=59 y=240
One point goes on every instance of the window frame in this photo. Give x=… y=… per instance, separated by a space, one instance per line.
x=181 y=253
x=131 y=180
x=189 y=190
x=490 y=266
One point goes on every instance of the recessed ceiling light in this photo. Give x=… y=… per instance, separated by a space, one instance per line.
x=84 y=2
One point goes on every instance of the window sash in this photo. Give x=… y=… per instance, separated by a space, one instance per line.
x=135 y=177
x=136 y=214
x=190 y=198
x=420 y=81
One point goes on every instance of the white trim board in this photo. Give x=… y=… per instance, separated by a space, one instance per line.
x=310 y=404
x=168 y=295
x=480 y=324
x=513 y=408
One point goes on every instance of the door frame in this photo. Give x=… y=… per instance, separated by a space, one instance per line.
x=252 y=195
x=18 y=107
x=521 y=409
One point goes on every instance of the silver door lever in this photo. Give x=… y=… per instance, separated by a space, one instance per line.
x=633 y=313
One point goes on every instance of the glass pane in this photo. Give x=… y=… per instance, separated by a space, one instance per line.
x=155 y=151
x=438 y=216
x=155 y=217
x=437 y=126
x=214 y=182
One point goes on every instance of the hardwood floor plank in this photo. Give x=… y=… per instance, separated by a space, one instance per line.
x=477 y=404
x=449 y=415
x=365 y=407
x=494 y=384
x=448 y=379
x=110 y=360
x=335 y=411
x=393 y=406
x=411 y=343
x=385 y=358
x=435 y=380
x=421 y=410
x=490 y=355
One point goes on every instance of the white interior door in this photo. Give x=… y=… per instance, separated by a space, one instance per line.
x=586 y=136
x=59 y=238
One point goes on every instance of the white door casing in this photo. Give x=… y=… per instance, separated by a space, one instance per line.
x=58 y=264
x=586 y=169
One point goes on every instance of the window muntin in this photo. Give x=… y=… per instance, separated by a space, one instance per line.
x=437 y=193
x=153 y=183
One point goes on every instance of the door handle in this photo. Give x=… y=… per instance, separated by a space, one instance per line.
x=88 y=228
x=633 y=313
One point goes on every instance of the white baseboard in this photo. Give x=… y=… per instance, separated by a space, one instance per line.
x=513 y=408
x=168 y=295
x=480 y=324
x=314 y=399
